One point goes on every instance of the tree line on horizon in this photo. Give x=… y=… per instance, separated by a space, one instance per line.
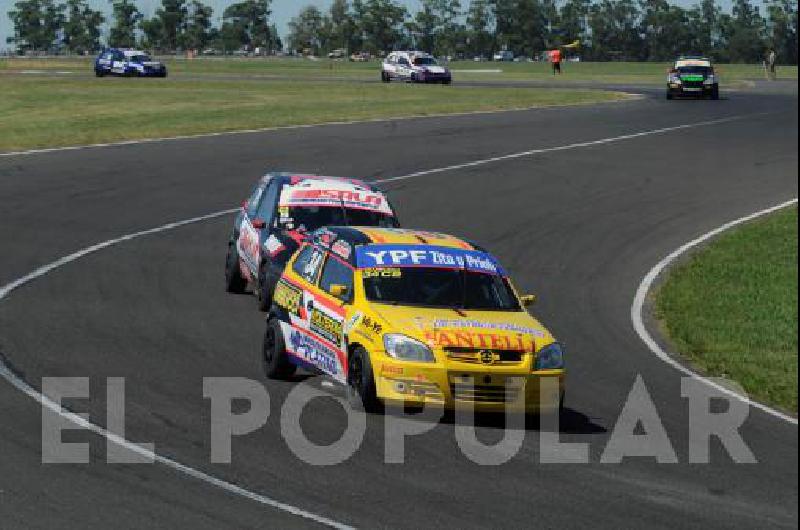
x=634 y=30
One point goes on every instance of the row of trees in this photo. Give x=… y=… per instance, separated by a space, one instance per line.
x=607 y=29
x=44 y=25
x=38 y=23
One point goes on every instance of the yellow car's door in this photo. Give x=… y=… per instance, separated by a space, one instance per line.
x=330 y=308
x=312 y=305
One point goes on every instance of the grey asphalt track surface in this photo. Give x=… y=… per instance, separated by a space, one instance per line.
x=580 y=228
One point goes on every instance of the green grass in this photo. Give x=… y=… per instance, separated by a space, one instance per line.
x=610 y=72
x=732 y=308
x=49 y=111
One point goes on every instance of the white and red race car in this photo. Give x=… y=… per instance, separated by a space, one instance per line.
x=281 y=211
x=414 y=67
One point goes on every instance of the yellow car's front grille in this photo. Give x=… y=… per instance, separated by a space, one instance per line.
x=487 y=357
x=485 y=393
x=420 y=388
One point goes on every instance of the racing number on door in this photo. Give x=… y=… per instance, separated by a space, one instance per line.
x=249 y=241
x=311 y=268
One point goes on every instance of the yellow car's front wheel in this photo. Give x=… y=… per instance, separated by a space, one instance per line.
x=361 y=391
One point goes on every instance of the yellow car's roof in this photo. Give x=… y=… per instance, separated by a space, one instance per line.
x=401 y=236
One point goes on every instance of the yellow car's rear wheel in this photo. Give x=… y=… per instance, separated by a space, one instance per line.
x=234 y=283
x=276 y=361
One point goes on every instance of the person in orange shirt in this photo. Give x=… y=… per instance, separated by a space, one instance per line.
x=555 y=59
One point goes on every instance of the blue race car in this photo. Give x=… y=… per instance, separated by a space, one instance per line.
x=128 y=63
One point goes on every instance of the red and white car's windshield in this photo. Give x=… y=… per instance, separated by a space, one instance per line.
x=312 y=204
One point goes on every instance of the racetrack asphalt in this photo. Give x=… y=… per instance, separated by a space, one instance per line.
x=580 y=228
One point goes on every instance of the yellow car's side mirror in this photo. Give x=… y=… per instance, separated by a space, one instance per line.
x=528 y=299
x=337 y=290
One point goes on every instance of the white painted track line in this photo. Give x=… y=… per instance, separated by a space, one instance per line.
x=591 y=143
x=28 y=390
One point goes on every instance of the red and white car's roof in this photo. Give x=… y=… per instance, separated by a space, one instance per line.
x=307 y=191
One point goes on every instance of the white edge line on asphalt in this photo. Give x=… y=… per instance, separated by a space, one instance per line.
x=637 y=309
x=27 y=389
x=628 y=97
x=567 y=147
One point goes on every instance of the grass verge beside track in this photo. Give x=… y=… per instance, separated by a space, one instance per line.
x=732 y=308
x=51 y=112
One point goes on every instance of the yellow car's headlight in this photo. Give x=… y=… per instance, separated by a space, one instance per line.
x=405 y=348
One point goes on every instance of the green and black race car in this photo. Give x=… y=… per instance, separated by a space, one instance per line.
x=692 y=77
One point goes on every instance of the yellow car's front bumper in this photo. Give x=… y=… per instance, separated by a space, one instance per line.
x=482 y=388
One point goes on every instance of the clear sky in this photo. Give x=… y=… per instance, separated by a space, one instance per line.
x=282 y=10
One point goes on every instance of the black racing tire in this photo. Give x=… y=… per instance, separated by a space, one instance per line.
x=361 y=392
x=234 y=283
x=99 y=73
x=413 y=77
x=670 y=96
x=264 y=288
x=715 y=93
x=276 y=361
x=385 y=77
x=447 y=82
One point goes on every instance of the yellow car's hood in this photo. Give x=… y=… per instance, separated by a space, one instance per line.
x=445 y=328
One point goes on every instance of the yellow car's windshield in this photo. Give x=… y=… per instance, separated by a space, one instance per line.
x=439 y=288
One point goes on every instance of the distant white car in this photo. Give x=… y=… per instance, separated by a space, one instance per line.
x=505 y=55
x=360 y=57
x=414 y=67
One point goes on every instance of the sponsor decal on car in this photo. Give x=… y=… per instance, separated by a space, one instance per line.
x=692 y=62
x=342 y=248
x=501 y=326
x=352 y=321
x=324 y=237
x=383 y=272
x=333 y=198
x=273 y=245
x=326 y=326
x=288 y=297
x=313 y=352
x=311 y=269
x=249 y=243
x=466 y=339
x=380 y=256
x=389 y=369
x=371 y=325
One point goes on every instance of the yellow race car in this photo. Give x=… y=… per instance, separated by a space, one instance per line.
x=414 y=317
